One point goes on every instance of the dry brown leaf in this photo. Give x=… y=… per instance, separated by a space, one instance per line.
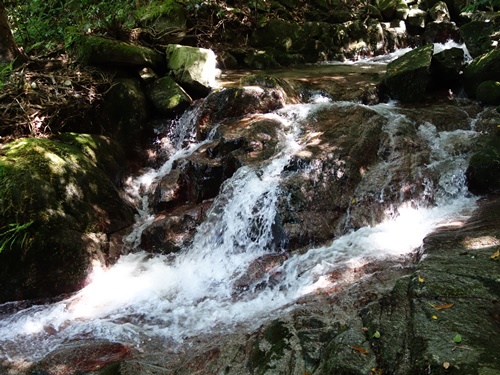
x=444 y=306
x=359 y=349
x=495 y=255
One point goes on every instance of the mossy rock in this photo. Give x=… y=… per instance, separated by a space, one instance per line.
x=488 y=92
x=71 y=205
x=126 y=111
x=408 y=77
x=193 y=68
x=96 y=50
x=167 y=96
x=477 y=36
x=393 y=9
x=483 y=68
x=483 y=173
x=447 y=66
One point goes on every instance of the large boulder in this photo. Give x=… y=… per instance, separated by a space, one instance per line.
x=479 y=36
x=416 y=20
x=488 y=92
x=447 y=67
x=439 y=12
x=167 y=96
x=408 y=77
x=193 y=68
x=58 y=207
x=126 y=111
x=391 y=9
x=321 y=180
x=441 y=32
x=96 y=50
x=483 y=68
x=483 y=173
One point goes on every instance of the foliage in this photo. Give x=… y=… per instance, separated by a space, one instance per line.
x=41 y=24
x=5 y=73
x=12 y=233
x=482 y=4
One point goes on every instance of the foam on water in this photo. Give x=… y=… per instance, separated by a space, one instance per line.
x=193 y=292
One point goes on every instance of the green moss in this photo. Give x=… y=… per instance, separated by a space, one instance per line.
x=66 y=196
x=269 y=347
x=96 y=50
x=481 y=69
x=407 y=77
x=488 y=92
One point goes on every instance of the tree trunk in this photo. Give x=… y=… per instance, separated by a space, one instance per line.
x=8 y=48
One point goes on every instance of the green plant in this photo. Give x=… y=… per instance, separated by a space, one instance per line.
x=5 y=73
x=13 y=233
x=475 y=5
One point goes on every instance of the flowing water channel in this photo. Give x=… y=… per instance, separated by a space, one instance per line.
x=192 y=292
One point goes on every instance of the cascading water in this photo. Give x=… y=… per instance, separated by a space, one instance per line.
x=193 y=293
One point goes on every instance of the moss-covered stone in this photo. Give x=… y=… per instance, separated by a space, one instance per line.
x=125 y=108
x=477 y=36
x=408 y=77
x=483 y=173
x=167 y=96
x=72 y=205
x=439 y=12
x=96 y=50
x=447 y=67
x=193 y=68
x=483 y=68
x=488 y=92
x=393 y=9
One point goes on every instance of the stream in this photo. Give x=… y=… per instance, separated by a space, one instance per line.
x=174 y=297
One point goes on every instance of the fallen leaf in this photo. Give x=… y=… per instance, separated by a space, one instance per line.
x=421 y=279
x=376 y=335
x=446 y=365
x=443 y=306
x=495 y=255
x=435 y=317
x=359 y=349
x=457 y=339
x=377 y=371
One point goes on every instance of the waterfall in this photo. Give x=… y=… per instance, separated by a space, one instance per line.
x=193 y=292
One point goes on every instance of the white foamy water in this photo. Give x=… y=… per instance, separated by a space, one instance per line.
x=192 y=293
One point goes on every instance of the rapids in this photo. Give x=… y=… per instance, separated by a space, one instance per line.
x=174 y=297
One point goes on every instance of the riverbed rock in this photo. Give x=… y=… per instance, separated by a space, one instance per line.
x=441 y=32
x=447 y=67
x=58 y=206
x=193 y=68
x=124 y=113
x=483 y=172
x=322 y=178
x=408 y=77
x=416 y=20
x=393 y=9
x=85 y=357
x=96 y=50
x=167 y=96
x=481 y=69
x=439 y=12
x=488 y=92
x=221 y=105
x=479 y=36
